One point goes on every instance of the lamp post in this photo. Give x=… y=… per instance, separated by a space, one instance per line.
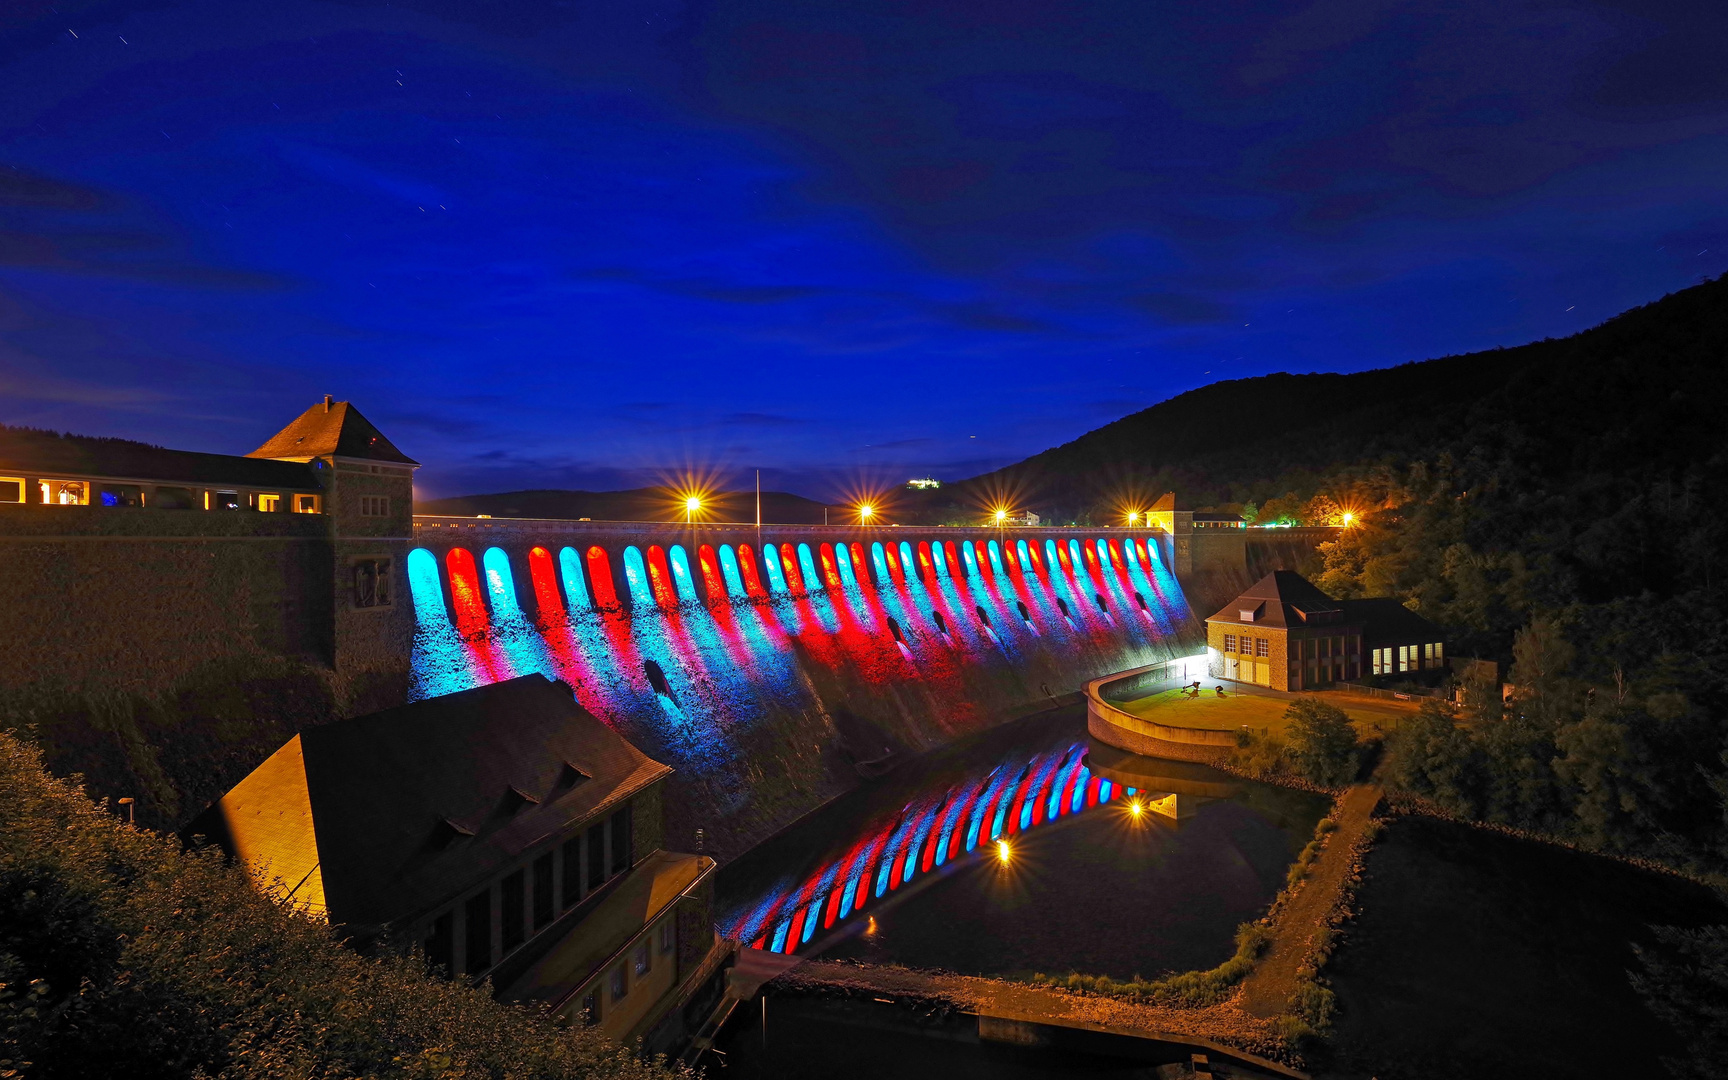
x=864 y=513
x=691 y=505
x=128 y=802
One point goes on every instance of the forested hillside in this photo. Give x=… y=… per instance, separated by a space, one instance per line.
x=1561 y=508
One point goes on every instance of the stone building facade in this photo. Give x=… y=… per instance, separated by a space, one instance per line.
x=128 y=566
x=1285 y=634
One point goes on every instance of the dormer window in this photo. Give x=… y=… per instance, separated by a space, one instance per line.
x=515 y=799
x=446 y=832
x=570 y=776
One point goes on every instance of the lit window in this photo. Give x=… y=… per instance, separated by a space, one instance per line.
x=305 y=504
x=619 y=986
x=65 y=492
x=225 y=500
x=1439 y=654
x=1262 y=647
x=643 y=960
x=11 y=489
x=374 y=506
x=1229 y=642
x=269 y=504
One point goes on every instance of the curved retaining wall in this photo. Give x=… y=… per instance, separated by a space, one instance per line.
x=774 y=668
x=1125 y=731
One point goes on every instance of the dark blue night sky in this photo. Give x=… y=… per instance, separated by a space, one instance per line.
x=585 y=244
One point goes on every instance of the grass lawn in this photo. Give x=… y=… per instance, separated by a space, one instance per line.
x=1481 y=955
x=1263 y=711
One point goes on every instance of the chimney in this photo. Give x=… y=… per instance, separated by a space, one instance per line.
x=328 y=401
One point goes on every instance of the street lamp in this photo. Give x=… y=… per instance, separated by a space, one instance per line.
x=691 y=505
x=864 y=513
x=1133 y=515
x=1001 y=516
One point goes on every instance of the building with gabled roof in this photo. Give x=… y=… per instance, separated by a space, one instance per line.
x=1284 y=633
x=503 y=830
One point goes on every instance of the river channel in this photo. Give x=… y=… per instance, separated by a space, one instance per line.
x=1025 y=849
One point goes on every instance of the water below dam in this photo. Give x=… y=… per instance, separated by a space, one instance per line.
x=1014 y=851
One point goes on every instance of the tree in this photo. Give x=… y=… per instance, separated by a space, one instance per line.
x=1322 y=742
x=1685 y=983
x=1430 y=755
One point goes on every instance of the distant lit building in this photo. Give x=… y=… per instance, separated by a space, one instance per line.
x=506 y=832
x=1286 y=634
x=292 y=473
x=1025 y=517
x=926 y=483
x=1218 y=521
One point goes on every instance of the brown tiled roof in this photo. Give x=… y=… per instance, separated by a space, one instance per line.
x=394 y=796
x=331 y=429
x=1282 y=598
x=31 y=452
x=1386 y=621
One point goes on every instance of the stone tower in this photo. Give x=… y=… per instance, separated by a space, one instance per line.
x=368 y=502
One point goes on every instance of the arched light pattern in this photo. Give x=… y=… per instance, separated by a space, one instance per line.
x=935 y=827
x=570 y=571
x=776 y=573
x=729 y=568
x=425 y=588
x=681 y=579
x=636 y=578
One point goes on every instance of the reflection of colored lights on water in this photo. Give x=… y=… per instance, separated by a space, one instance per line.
x=924 y=835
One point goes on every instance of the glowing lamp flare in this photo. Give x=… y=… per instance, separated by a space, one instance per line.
x=1348 y=518
x=1003 y=852
x=865 y=511
x=1001 y=515
x=1134 y=807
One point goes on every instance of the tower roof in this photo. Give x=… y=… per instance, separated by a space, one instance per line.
x=331 y=428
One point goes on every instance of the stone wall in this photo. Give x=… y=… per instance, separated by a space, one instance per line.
x=133 y=600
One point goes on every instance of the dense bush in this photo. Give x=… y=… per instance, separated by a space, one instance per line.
x=1685 y=982
x=1189 y=989
x=1322 y=742
x=120 y=955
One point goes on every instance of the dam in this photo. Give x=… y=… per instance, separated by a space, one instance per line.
x=773 y=667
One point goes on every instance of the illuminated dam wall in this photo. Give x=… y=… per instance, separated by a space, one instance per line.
x=774 y=667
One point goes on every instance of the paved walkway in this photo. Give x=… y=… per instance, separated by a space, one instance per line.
x=1267 y=990
x=1221 y=1031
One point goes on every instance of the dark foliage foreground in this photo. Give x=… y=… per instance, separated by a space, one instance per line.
x=120 y=955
